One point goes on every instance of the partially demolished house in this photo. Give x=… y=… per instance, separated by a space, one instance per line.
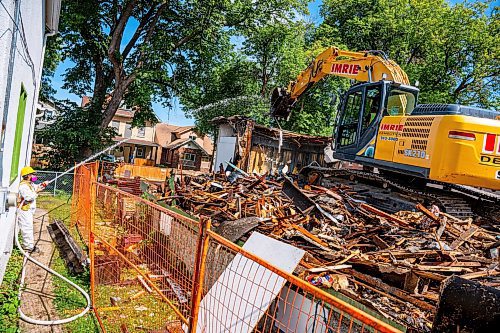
x=259 y=149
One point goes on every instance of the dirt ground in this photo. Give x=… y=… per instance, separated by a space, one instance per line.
x=37 y=299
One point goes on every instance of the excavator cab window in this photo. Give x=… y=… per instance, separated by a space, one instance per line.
x=348 y=127
x=372 y=105
x=400 y=102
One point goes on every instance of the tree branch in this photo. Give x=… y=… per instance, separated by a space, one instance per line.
x=144 y=20
x=116 y=38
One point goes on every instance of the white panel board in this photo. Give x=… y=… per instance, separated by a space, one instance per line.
x=297 y=313
x=225 y=151
x=244 y=291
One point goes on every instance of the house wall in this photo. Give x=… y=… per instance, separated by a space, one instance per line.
x=203 y=141
x=26 y=60
x=149 y=132
x=178 y=154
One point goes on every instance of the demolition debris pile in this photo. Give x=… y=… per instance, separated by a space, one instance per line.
x=392 y=263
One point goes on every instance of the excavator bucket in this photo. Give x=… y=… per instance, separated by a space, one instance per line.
x=467 y=306
x=280 y=103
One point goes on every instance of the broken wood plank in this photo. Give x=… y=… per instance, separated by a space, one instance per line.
x=377 y=283
x=463 y=237
x=328 y=268
x=381 y=244
x=427 y=212
x=144 y=284
x=475 y=275
x=453 y=269
x=385 y=215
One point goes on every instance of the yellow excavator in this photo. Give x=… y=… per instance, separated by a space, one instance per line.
x=380 y=125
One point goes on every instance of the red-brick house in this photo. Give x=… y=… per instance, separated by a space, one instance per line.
x=182 y=147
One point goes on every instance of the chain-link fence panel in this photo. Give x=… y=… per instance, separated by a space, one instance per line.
x=62 y=185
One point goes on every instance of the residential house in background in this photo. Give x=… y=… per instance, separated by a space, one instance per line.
x=46 y=114
x=182 y=147
x=25 y=27
x=141 y=149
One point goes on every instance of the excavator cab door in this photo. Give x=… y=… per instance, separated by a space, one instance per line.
x=358 y=121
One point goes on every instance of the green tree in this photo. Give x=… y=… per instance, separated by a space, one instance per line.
x=452 y=51
x=74 y=130
x=165 y=41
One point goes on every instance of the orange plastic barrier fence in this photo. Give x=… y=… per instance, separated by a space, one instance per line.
x=142 y=171
x=157 y=269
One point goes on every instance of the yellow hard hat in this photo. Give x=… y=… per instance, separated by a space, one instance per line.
x=27 y=170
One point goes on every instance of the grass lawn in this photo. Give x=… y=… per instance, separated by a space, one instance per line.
x=8 y=294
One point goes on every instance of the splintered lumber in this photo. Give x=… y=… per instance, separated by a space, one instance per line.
x=463 y=237
x=376 y=283
x=389 y=217
x=398 y=260
x=427 y=212
x=328 y=268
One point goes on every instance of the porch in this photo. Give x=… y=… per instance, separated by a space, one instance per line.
x=138 y=152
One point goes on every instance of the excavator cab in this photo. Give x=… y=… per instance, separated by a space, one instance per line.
x=361 y=112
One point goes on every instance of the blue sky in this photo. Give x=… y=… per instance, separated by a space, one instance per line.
x=173 y=115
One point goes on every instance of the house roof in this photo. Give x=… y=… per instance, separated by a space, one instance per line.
x=125 y=113
x=136 y=142
x=163 y=136
x=182 y=142
x=272 y=132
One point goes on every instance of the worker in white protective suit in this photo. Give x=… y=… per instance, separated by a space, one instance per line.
x=28 y=192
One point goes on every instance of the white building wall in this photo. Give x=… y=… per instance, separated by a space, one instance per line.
x=28 y=61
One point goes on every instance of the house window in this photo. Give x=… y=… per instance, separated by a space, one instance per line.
x=205 y=159
x=140 y=152
x=128 y=131
x=141 y=132
x=16 y=152
x=116 y=125
x=188 y=159
x=192 y=137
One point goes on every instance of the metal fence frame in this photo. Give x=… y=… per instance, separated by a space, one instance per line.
x=62 y=185
x=202 y=272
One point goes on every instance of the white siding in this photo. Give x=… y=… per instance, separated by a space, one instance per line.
x=28 y=61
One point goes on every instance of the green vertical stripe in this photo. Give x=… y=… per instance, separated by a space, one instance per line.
x=21 y=110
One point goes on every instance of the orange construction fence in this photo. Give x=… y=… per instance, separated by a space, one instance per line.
x=153 y=269
x=148 y=172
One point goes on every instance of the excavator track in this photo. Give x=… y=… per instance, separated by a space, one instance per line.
x=392 y=192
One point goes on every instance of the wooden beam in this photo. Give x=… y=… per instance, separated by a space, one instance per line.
x=374 y=282
x=463 y=237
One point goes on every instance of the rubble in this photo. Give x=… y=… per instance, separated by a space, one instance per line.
x=394 y=263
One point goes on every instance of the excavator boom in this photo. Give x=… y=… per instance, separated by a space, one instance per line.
x=368 y=66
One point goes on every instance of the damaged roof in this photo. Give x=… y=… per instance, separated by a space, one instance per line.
x=273 y=132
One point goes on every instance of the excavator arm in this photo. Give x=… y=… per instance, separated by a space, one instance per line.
x=368 y=66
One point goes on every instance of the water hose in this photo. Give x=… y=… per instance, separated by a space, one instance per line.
x=48 y=269
x=51 y=271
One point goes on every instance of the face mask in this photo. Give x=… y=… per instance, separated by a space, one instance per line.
x=34 y=178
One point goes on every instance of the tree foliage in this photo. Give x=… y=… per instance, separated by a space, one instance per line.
x=73 y=132
x=452 y=50
x=224 y=57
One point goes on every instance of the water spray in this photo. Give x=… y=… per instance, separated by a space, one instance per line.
x=88 y=159
x=225 y=102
